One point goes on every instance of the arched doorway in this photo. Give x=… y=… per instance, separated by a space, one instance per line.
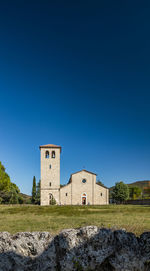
x=84 y=199
x=50 y=199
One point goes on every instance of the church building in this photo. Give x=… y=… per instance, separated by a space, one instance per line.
x=81 y=189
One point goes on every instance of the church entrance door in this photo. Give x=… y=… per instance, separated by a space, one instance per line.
x=84 y=199
x=50 y=199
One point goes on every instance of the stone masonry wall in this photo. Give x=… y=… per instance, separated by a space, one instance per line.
x=71 y=194
x=88 y=248
x=50 y=175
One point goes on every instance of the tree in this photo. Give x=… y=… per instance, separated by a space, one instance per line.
x=11 y=195
x=146 y=192
x=9 y=191
x=14 y=197
x=4 y=179
x=38 y=189
x=34 y=190
x=13 y=185
x=120 y=192
x=135 y=192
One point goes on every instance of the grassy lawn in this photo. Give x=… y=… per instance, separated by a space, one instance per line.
x=55 y=218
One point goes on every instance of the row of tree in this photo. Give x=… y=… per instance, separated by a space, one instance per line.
x=135 y=192
x=10 y=193
x=122 y=192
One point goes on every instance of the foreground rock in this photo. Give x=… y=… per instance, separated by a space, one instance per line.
x=88 y=248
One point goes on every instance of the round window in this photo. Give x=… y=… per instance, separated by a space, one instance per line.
x=84 y=180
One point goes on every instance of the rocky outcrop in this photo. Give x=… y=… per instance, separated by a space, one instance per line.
x=88 y=248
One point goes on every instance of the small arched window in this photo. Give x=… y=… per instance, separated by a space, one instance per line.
x=53 y=154
x=50 y=184
x=101 y=194
x=47 y=154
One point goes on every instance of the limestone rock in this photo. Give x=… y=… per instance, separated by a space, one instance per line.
x=88 y=248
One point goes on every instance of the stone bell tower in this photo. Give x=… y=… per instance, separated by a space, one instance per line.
x=50 y=173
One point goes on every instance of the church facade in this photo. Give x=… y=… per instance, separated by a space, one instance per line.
x=81 y=189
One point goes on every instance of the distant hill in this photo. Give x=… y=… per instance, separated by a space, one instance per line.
x=26 y=198
x=141 y=184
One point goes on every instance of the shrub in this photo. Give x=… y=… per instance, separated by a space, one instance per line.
x=52 y=201
x=20 y=200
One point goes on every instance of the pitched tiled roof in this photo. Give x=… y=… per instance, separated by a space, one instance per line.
x=50 y=146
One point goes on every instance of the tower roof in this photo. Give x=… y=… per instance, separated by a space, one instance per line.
x=50 y=146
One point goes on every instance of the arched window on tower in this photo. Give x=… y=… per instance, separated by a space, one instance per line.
x=47 y=154
x=53 y=154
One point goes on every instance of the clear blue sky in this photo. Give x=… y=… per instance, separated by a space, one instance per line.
x=75 y=74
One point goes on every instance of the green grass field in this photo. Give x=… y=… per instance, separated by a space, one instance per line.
x=55 y=218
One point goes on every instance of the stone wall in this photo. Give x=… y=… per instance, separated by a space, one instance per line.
x=88 y=248
x=66 y=194
x=71 y=194
x=50 y=175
